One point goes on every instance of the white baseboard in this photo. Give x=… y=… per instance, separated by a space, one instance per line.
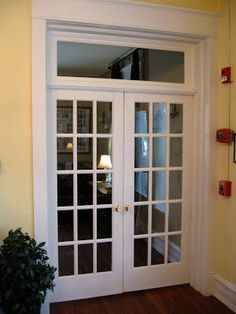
x=225 y=292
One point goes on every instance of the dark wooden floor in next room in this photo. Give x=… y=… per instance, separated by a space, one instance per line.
x=171 y=300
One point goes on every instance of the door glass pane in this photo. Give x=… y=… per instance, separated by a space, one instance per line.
x=104 y=153
x=65 y=225
x=66 y=260
x=84 y=117
x=141 y=152
x=158 y=185
x=159 y=117
x=158 y=250
x=158 y=218
x=117 y=62
x=84 y=153
x=85 y=258
x=175 y=217
x=176 y=118
x=159 y=152
x=174 y=248
x=65 y=190
x=141 y=186
x=141 y=117
x=104 y=117
x=85 y=224
x=64 y=116
x=104 y=188
x=175 y=184
x=104 y=257
x=85 y=189
x=140 y=252
x=141 y=219
x=104 y=223
x=176 y=154
x=64 y=153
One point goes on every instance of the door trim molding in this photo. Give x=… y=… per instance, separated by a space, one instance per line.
x=174 y=23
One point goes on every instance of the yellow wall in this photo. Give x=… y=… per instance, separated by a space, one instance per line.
x=16 y=190
x=16 y=200
x=226 y=208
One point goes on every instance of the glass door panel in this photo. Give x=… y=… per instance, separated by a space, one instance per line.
x=87 y=190
x=155 y=167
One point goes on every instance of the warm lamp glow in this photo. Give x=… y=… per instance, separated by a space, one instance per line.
x=69 y=147
x=105 y=162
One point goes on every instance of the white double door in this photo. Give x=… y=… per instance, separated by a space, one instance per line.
x=119 y=185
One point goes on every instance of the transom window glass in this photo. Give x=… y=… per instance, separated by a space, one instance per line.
x=118 y=62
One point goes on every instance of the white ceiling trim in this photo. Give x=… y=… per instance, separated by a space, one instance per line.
x=132 y=14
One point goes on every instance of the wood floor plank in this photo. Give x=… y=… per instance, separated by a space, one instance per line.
x=171 y=300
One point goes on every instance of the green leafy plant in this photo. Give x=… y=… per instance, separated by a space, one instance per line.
x=25 y=275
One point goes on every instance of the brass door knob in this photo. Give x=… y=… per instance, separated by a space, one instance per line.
x=117 y=208
x=127 y=207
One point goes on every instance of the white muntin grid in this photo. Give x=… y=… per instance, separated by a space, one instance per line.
x=150 y=135
x=94 y=172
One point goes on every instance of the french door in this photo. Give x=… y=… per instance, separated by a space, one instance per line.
x=119 y=185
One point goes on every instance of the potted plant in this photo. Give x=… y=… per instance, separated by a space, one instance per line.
x=25 y=275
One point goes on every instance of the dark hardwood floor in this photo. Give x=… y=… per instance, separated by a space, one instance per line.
x=171 y=300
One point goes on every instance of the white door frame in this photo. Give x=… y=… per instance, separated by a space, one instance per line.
x=146 y=21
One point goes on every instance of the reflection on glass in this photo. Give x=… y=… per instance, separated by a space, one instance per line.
x=64 y=116
x=84 y=116
x=141 y=152
x=141 y=219
x=85 y=258
x=159 y=117
x=141 y=117
x=85 y=189
x=65 y=190
x=176 y=118
x=85 y=224
x=174 y=248
x=117 y=62
x=140 y=252
x=66 y=260
x=104 y=117
x=104 y=257
x=104 y=148
x=104 y=188
x=84 y=153
x=65 y=225
x=64 y=153
x=104 y=223
x=175 y=184
x=176 y=151
x=158 y=250
x=141 y=186
x=175 y=217
x=158 y=218
x=158 y=185
x=159 y=152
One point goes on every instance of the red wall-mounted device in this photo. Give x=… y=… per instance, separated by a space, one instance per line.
x=224 y=136
x=225 y=188
x=226 y=75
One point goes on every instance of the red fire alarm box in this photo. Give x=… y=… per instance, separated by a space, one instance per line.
x=225 y=188
x=226 y=75
x=224 y=136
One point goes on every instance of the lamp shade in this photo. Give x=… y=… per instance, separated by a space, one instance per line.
x=105 y=162
x=69 y=147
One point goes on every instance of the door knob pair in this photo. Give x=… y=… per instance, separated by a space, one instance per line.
x=117 y=208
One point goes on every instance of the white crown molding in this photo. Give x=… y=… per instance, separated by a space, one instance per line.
x=132 y=14
x=225 y=292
